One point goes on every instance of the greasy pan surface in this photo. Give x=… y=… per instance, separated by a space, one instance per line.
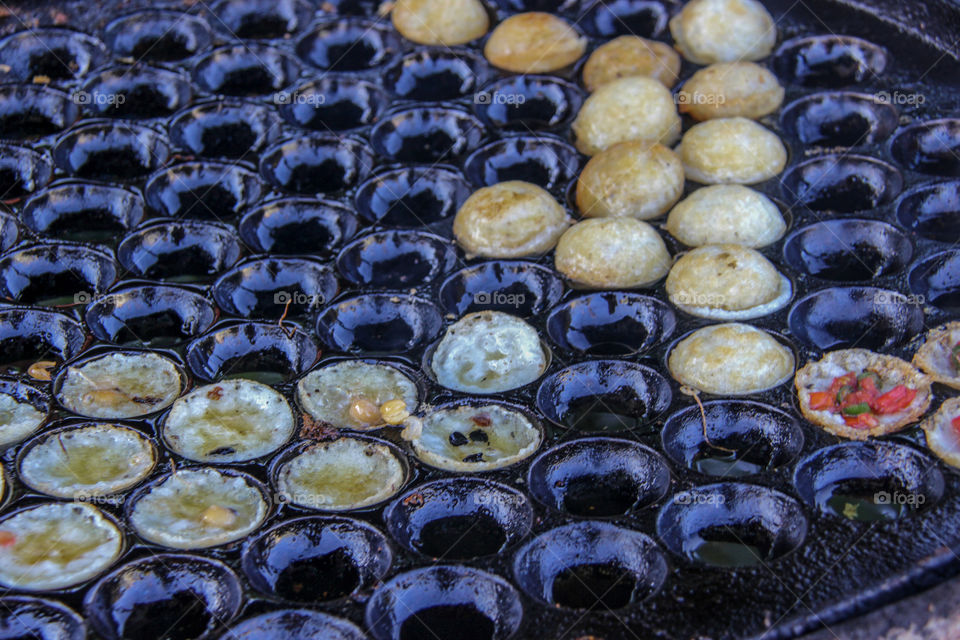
x=816 y=567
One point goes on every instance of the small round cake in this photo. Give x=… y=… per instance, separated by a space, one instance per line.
x=731 y=151
x=730 y=360
x=726 y=214
x=56 y=545
x=87 y=461
x=708 y=31
x=727 y=282
x=632 y=179
x=197 y=508
x=120 y=385
x=731 y=89
x=440 y=22
x=629 y=56
x=19 y=419
x=475 y=437
x=633 y=108
x=351 y=394
x=534 y=43
x=340 y=475
x=513 y=219
x=612 y=253
x=229 y=421
x=488 y=352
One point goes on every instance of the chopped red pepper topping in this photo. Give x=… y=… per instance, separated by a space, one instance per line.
x=956 y=424
x=7 y=538
x=858 y=399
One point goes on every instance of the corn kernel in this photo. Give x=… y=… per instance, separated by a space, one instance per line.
x=394 y=411
x=364 y=411
x=41 y=370
x=217 y=516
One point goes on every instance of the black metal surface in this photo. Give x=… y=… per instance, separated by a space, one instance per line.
x=838 y=569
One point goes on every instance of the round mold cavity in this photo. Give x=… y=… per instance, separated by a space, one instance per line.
x=82 y=211
x=604 y=396
x=848 y=317
x=929 y=147
x=932 y=211
x=265 y=352
x=520 y=288
x=316 y=164
x=298 y=226
x=599 y=477
x=348 y=44
x=224 y=129
x=261 y=19
x=22 y=171
x=736 y=438
x=611 y=323
x=731 y=525
x=839 y=119
x=245 y=70
x=157 y=35
x=333 y=104
x=294 y=624
x=444 y=601
x=28 y=335
x=108 y=150
x=426 y=134
x=594 y=566
x=152 y=315
x=317 y=559
x=29 y=617
x=188 y=596
x=543 y=160
x=179 y=250
x=528 y=103
x=203 y=190
x=829 y=61
x=271 y=288
x=412 y=196
x=868 y=481
x=56 y=273
x=935 y=280
x=841 y=183
x=134 y=92
x=459 y=518
x=32 y=111
x=848 y=250
x=645 y=18
x=380 y=323
x=396 y=259
x=434 y=75
x=57 y=55
x=24 y=392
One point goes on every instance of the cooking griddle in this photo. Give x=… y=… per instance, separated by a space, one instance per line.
x=876 y=273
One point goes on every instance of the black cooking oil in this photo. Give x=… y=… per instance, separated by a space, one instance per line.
x=462 y=537
x=461 y=621
x=590 y=586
